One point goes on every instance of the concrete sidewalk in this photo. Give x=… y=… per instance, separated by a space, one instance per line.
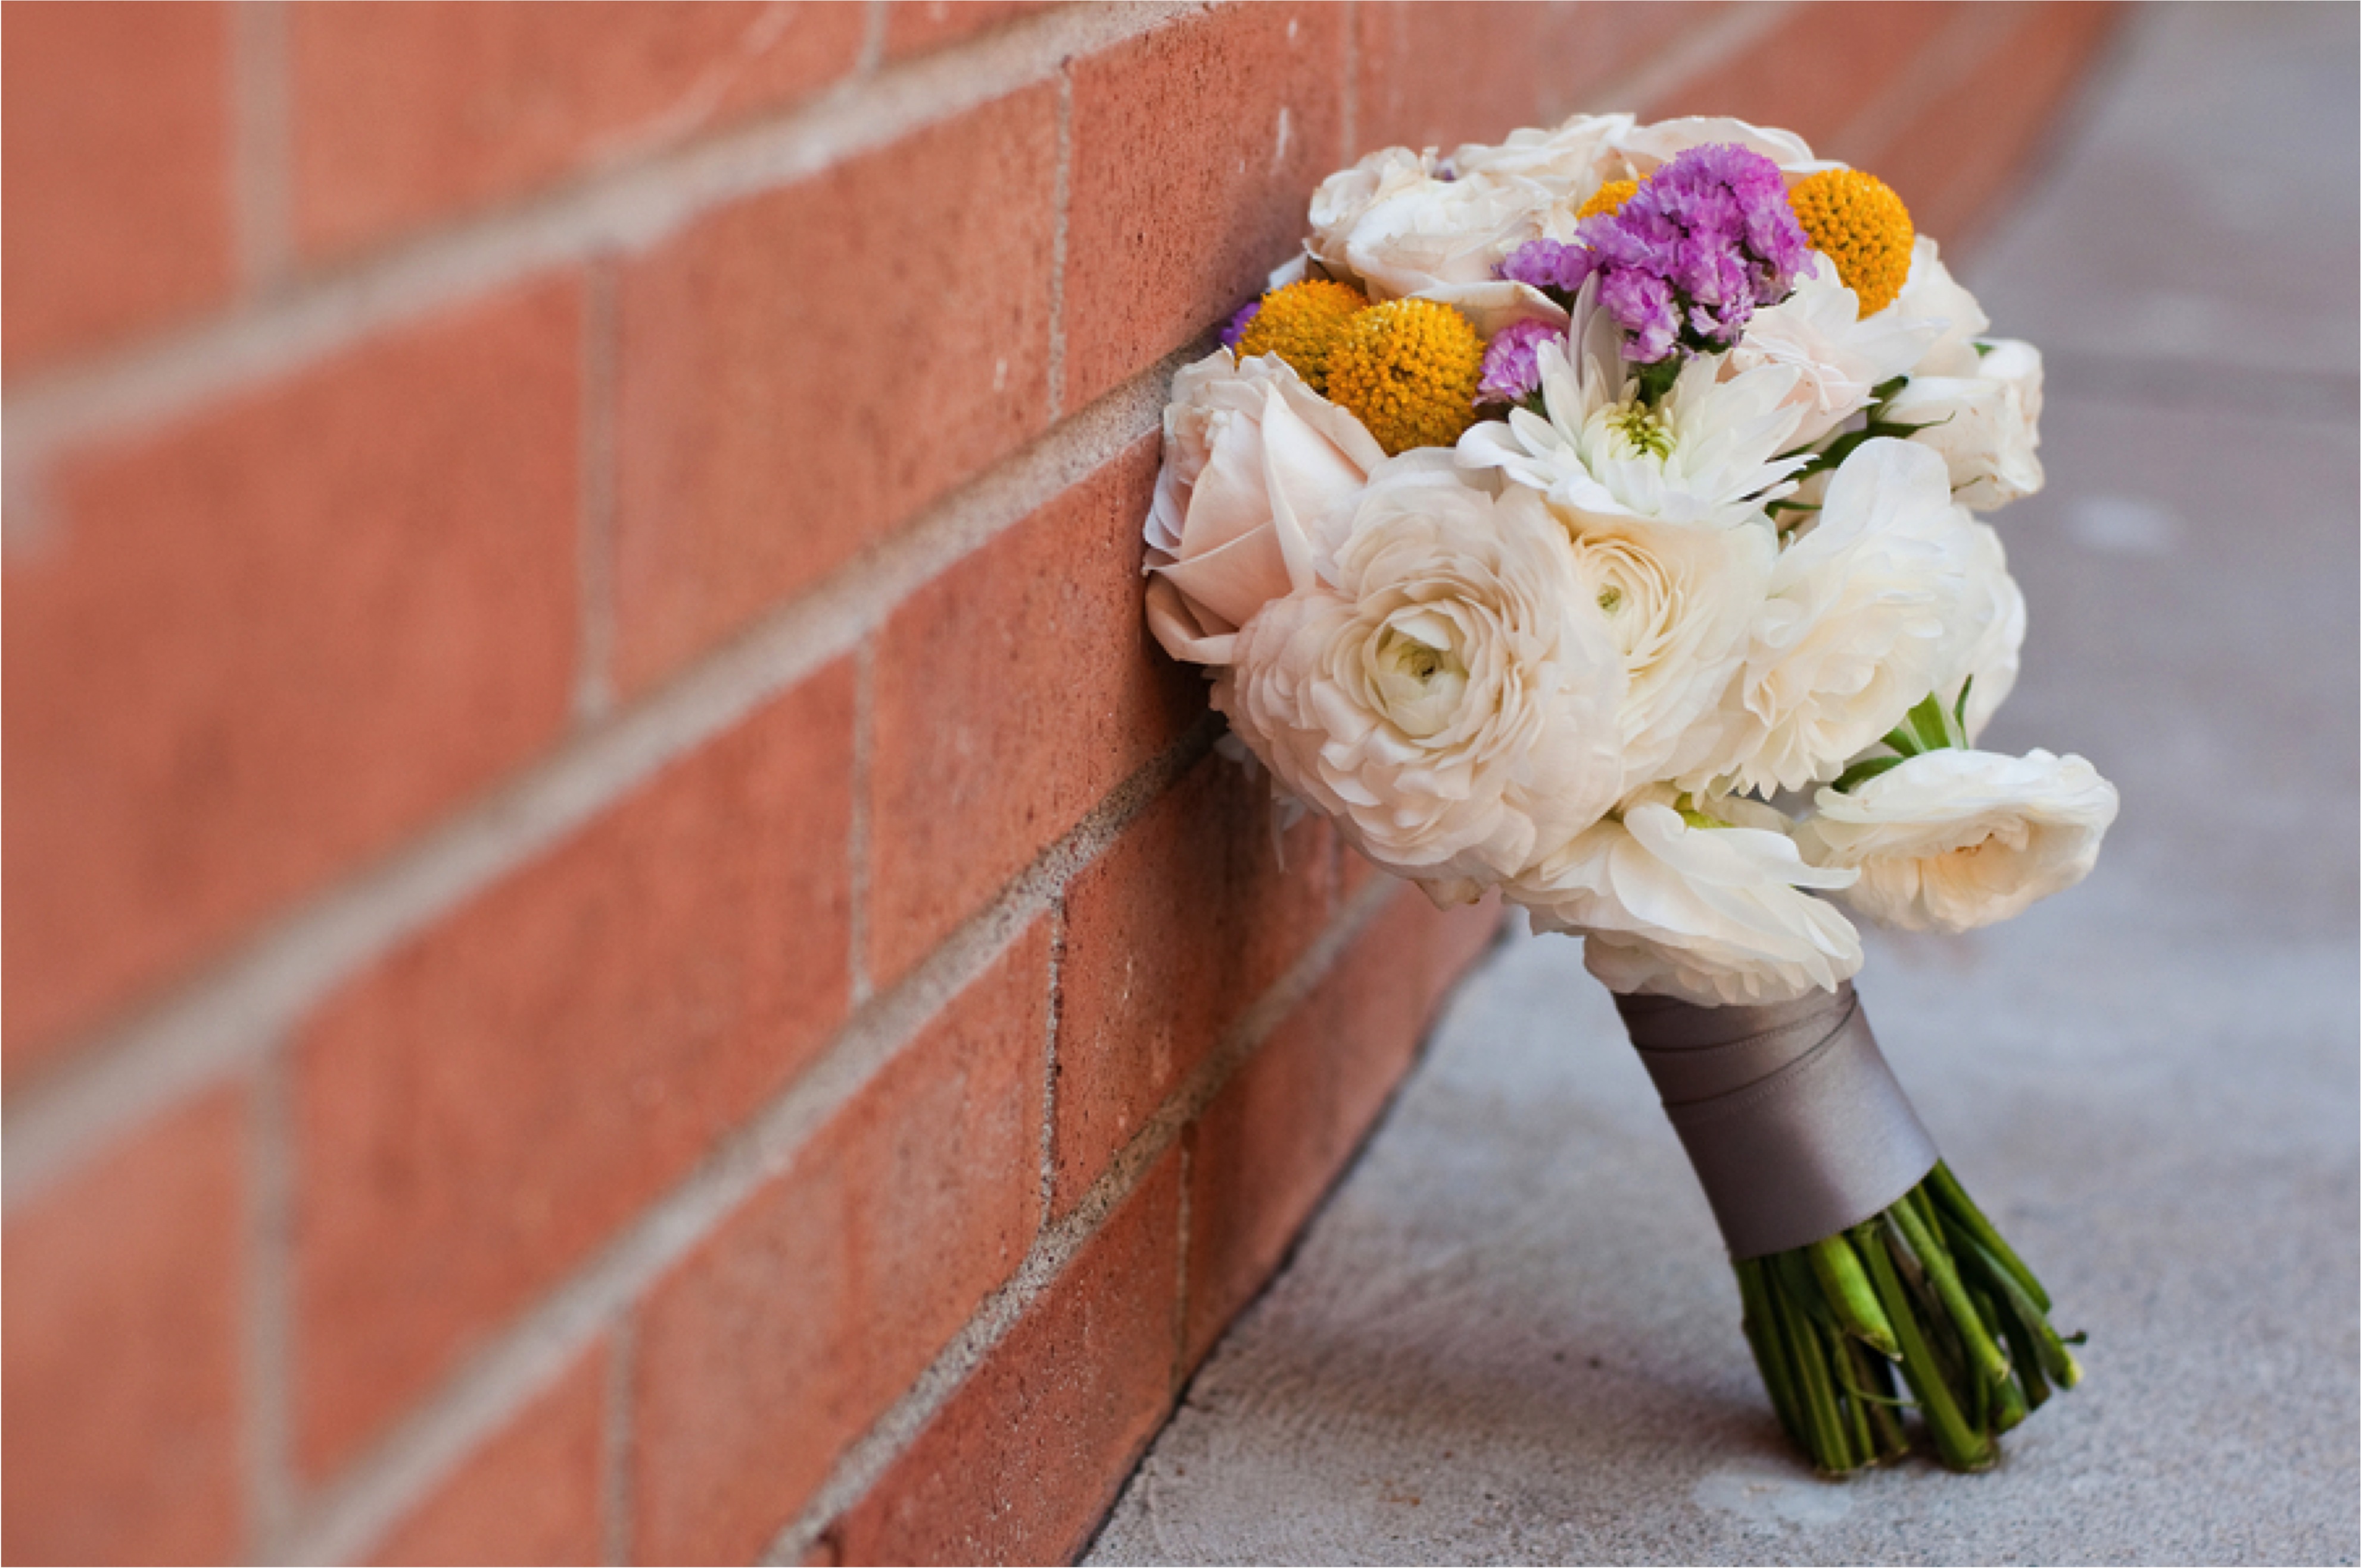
x=1510 y=1335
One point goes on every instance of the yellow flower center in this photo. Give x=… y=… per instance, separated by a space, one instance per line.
x=1302 y=324
x=1408 y=370
x=1862 y=226
x=1608 y=199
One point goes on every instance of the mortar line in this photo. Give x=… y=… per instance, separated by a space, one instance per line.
x=1061 y=200
x=262 y=133
x=268 y=1319
x=866 y=1460
x=216 y=1025
x=347 y=1518
x=1048 y=1185
x=615 y=1455
x=594 y=692
x=1349 y=97
x=872 y=41
x=864 y=745
x=627 y=210
x=1179 y=1372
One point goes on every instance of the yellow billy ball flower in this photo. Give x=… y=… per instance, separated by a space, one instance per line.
x=1608 y=199
x=1302 y=324
x=1862 y=226
x=1408 y=370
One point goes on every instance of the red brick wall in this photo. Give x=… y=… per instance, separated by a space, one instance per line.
x=616 y=945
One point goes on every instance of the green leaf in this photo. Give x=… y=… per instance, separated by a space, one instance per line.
x=1861 y=773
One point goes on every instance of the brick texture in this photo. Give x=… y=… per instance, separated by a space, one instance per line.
x=1026 y=1458
x=811 y=1309
x=1170 y=935
x=124 y=1424
x=407 y=112
x=1431 y=76
x=768 y=428
x=1194 y=150
x=260 y=646
x=493 y=1100
x=532 y=1493
x=1012 y=693
x=1275 y=1139
x=115 y=158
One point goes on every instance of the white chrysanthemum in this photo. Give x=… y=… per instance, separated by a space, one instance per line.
x=1866 y=612
x=1950 y=841
x=1986 y=424
x=1714 y=915
x=1253 y=460
x=1837 y=356
x=1680 y=602
x=1705 y=455
x=1931 y=294
x=1448 y=694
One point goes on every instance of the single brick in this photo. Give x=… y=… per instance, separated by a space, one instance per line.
x=1436 y=76
x=815 y=1305
x=803 y=370
x=260 y=646
x=1816 y=70
x=490 y=1103
x=1012 y=693
x=403 y=113
x=115 y=158
x=1026 y=1458
x=1280 y=1132
x=532 y=1493
x=1171 y=935
x=1195 y=149
x=124 y=1427
x=917 y=26
x=1953 y=161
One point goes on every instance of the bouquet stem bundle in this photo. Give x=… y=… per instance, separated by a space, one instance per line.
x=1928 y=1290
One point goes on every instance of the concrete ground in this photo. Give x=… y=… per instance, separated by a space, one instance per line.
x=1510 y=1335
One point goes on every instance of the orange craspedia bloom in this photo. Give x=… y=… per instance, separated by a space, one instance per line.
x=1861 y=226
x=1408 y=370
x=1608 y=199
x=1302 y=324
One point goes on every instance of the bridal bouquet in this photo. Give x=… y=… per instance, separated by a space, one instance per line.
x=1593 y=517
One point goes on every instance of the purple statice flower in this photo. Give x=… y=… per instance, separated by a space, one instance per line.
x=1512 y=370
x=1547 y=264
x=1240 y=322
x=1704 y=243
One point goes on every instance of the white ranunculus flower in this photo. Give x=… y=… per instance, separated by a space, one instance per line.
x=1447 y=694
x=1705 y=455
x=1866 y=612
x=1986 y=425
x=1648 y=148
x=1714 y=915
x=1948 y=841
x=1680 y=602
x=1995 y=609
x=1930 y=293
x=1392 y=223
x=1253 y=460
x=1837 y=356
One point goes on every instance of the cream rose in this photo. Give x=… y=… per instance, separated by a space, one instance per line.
x=1716 y=916
x=1253 y=459
x=1866 y=613
x=1986 y=425
x=1447 y=694
x=1950 y=841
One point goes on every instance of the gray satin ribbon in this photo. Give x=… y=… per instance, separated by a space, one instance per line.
x=1789 y=1113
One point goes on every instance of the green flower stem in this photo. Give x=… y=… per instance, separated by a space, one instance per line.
x=2056 y=1361
x=1826 y=1425
x=1957 y=1206
x=1847 y=1289
x=1960 y=1447
x=1770 y=1356
x=1874 y=1395
x=1918 y=1229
